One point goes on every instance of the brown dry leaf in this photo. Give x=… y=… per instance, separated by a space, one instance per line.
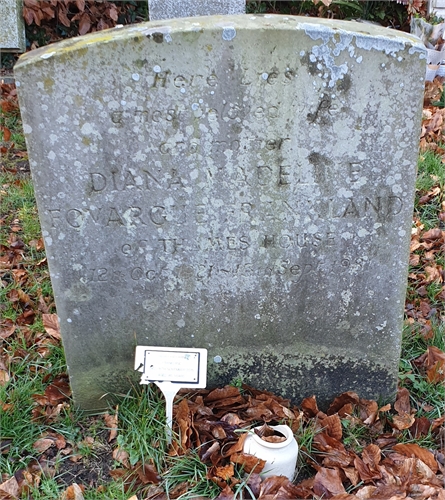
x=421 y=427
x=309 y=406
x=183 y=420
x=367 y=474
x=222 y=393
x=84 y=24
x=344 y=496
x=413 y=450
x=224 y=472
x=4 y=377
x=73 y=492
x=368 y=411
x=338 y=458
x=272 y=486
x=332 y=426
x=148 y=474
x=226 y=494
x=61 y=12
x=402 y=404
x=347 y=398
x=7 y=328
x=328 y=482
x=58 y=391
x=6 y=133
x=433 y=274
x=232 y=419
x=214 y=448
x=432 y=234
x=352 y=474
x=218 y=432
x=24 y=297
x=122 y=457
x=51 y=325
x=248 y=462
x=371 y=455
x=435 y=362
x=235 y=447
x=274 y=439
x=10 y=488
x=111 y=421
x=43 y=444
x=403 y=421
x=324 y=442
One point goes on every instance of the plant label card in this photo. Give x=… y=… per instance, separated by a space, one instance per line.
x=182 y=366
x=171 y=369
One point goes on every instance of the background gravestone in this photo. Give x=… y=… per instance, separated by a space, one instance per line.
x=169 y=9
x=242 y=184
x=12 y=26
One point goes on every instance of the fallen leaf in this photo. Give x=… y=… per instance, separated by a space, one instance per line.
x=10 y=487
x=226 y=494
x=413 y=450
x=328 y=482
x=332 y=425
x=223 y=393
x=7 y=328
x=371 y=456
x=84 y=24
x=214 y=448
x=148 y=474
x=272 y=485
x=309 y=406
x=402 y=404
x=58 y=391
x=51 y=325
x=43 y=444
x=111 y=421
x=4 y=377
x=122 y=457
x=73 y=492
x=224 y=472
x=248 y=462
x=403 y=421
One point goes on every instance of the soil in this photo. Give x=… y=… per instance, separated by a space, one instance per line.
x=91 y=467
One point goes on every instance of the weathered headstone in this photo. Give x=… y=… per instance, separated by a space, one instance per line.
x=12 y=26
x=169 y=9
x=242 y=184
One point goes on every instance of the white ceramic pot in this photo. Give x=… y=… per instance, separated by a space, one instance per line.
x=281 y=458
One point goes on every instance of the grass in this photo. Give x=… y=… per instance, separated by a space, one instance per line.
x=189 y=469
x=146 y=440
x=427 y=398
x=431 y=174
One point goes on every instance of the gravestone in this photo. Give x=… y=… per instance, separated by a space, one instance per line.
x=242 y=184
x=12 y=26
x=169 y=9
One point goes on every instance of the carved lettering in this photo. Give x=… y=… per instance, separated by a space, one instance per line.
x=160 y=79
x=171 y=245
x=283 y=175
x=74 y=218
x=55 y=216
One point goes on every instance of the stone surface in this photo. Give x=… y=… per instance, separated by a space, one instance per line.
x=243 y=184
x=12 y=26
x=170 y=9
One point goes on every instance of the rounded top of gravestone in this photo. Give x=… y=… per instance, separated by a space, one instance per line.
x=368 y=36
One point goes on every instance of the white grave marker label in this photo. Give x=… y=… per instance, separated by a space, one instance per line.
x=171 y=369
